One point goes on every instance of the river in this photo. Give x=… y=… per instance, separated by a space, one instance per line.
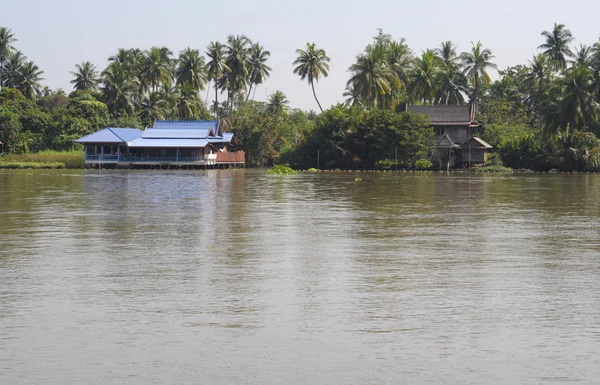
x=237 y=277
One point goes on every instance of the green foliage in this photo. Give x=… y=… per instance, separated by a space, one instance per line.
x=281 y=170
x=312 y=169
x=423 y=164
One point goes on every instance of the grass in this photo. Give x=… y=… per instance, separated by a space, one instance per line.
x=21 y=165
x=44 y=159
x=494 y=168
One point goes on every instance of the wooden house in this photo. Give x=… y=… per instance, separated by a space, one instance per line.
x=191 y=144
x=455 y=145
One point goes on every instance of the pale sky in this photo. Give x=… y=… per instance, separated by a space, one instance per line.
x=57 y=34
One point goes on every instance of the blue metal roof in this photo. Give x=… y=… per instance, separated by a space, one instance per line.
x=172 y=133
x=190 y=124
x=112 y=135
x=226 y=138
x=166 y=143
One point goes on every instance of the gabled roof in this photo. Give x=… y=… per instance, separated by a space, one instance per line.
x=444 y=141
x=476 y=142
x=188 y=124
x=444 y=115
x=165 y=133
x=169 y=143
x=226 y=138
x=176 y=133
x=112 y=135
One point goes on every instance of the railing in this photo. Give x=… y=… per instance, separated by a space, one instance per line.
x=231 y=157
x=125 y=158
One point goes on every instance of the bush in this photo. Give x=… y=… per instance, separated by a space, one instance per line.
x=312 y=170
x=281 y=170
x=423 y=164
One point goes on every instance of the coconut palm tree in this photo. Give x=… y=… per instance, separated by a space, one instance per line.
x=578 y=106
x=353 y=96
x=216 y=66
x=475 y=68
x=118 y=88
x=12 y=67
x=311 y=64
x=157 y=66
x=447 y=54
x=7 y=38
x=86 y=77
x=187 y=103
x=153 y=107
x=277 y=104
x=258 y=69
x=557 y=45
x=191 y=69
x=236 y=58
x=423 y=85
x=29 y=77
x=451 y=86
x=372 y=76
x=583 y=56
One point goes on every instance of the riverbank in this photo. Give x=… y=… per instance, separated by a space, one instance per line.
x=44 y=160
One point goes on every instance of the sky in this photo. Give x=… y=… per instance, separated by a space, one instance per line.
x=57 y=34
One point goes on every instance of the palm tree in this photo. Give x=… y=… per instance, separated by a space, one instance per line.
x=447 y=54
x=153 y=107
x=372 y=77
x=475 y=68
x=258 y=69
x=12 y=68
x=277 y=104
x=187 y=103
x=423 y=85
x=157 y=66
x=557 y=45
x=311 y=64
x=216 y=66
x=583 y=56
x=86 y=77
x=352 y=95
x=538 y=77
x=29 y=77
x=236 y=58
x=191 y=69
x=578 y=107
x=451 y=86
x=7 y=38
x=118 y=88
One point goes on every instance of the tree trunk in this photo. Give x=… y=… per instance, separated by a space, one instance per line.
x=315 y=95
x=249 y=90
x=216 y=100
x=207 y=93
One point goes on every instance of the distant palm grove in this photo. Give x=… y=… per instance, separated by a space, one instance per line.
x=541 y=115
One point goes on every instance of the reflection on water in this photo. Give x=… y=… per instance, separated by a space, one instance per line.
x=235 y=277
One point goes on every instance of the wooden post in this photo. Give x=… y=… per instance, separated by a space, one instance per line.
x=318 y=159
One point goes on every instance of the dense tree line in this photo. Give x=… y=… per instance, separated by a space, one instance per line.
x=543 y=114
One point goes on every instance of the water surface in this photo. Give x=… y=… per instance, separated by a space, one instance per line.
x=236 y=277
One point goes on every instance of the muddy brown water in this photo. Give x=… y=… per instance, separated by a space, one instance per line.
x=236 y=277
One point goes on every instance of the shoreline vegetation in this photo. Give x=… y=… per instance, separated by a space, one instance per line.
x=541 y=115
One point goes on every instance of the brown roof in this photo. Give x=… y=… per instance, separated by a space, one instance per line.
x=477 y=143
x=444 y=115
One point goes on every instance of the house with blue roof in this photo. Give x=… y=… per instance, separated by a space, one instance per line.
x=170 y=143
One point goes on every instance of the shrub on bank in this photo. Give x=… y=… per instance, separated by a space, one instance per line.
x=281 y=170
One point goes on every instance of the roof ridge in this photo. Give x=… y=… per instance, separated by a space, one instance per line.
x=115 y=134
